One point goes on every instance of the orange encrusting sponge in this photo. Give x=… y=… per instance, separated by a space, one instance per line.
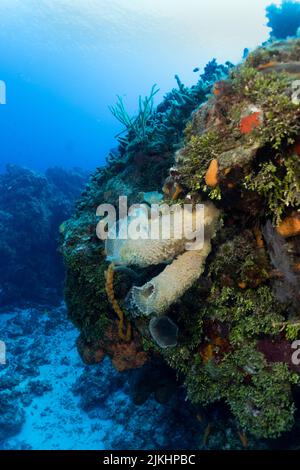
x=211 y=176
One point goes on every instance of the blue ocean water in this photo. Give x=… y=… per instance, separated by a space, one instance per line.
x=63 y=63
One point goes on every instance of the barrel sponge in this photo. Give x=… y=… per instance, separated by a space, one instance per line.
x=156 y=296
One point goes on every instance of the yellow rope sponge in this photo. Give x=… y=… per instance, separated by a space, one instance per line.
x=109 y=287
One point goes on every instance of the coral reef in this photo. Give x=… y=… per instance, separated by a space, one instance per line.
x=32 y=207
x=225 y=333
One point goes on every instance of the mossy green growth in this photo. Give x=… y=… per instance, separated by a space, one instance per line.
x=85 y=282
x=198 y=153
x=86 y=300
x=258 y=395
x=292 y=330
x=250 y=312
x=264 y=407
x=190 y=322
x=279 y=184
x=277 y=176
x=241 y=261
x=273 y=94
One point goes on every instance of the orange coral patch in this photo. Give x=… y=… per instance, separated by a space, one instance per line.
x=211 y=177
x=177 y=192
x=218 y=88
x=242 y=285
x=258 y=237
x=207 y=353
x=248 y=123
x=243 y=439
x=109 y=287
x=267 y=65
x=290 y=226
x=91 y=356
x=126 y=356
x=297 y=147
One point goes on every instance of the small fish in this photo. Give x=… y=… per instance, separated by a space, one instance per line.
x=206 y=434
x=196 y=69
x=243 y=439
x=292 y=68
x=267 y=66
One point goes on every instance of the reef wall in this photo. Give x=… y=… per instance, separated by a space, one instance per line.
x=233 y=139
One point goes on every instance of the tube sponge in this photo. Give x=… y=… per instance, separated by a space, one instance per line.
x=164 y=331
x=146 y=251
x=188 y=263
x=157 y=295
